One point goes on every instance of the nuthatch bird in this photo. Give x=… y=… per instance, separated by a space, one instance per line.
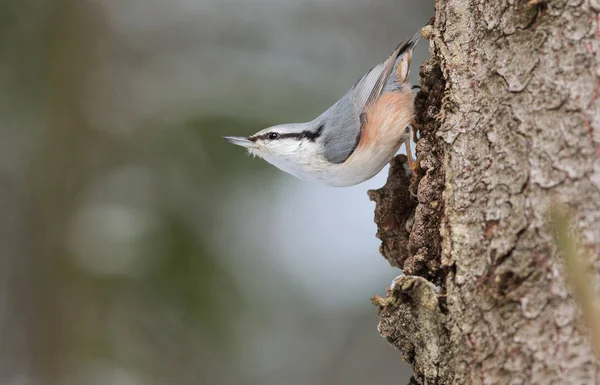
x=355 y=138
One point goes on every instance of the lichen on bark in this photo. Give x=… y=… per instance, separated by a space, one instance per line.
x=423 y=340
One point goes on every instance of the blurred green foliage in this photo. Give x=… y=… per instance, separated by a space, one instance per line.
x=48 y=52
x=82 y=185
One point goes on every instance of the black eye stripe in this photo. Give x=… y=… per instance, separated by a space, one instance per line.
x=306 y=134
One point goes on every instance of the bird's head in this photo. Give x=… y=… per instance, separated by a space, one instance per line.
x=290 y=147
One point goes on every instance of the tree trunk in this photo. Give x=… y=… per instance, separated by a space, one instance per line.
x=510 y=117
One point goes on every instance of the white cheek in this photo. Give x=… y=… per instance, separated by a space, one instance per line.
x=286 y=149
x=295 y=158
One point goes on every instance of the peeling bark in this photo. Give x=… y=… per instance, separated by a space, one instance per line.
x=509 y=109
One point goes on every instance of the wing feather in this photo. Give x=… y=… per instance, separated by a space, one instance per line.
x=372 y=84
x=344 y=120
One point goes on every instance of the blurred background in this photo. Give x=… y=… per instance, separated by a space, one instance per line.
x=136 y=247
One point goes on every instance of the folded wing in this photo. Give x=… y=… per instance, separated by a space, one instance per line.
x=343 y=122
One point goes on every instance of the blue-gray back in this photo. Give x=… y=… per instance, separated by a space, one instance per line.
x=343 y=121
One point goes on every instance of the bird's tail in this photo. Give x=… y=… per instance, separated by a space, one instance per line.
x=404 y=58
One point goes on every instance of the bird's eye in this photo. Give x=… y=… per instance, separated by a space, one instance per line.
x=273 y=135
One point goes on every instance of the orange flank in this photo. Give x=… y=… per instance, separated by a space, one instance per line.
x=386 y=119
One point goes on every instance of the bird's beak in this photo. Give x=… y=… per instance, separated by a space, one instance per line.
x=239 y=140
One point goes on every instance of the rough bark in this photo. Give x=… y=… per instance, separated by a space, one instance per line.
x=510 y=116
